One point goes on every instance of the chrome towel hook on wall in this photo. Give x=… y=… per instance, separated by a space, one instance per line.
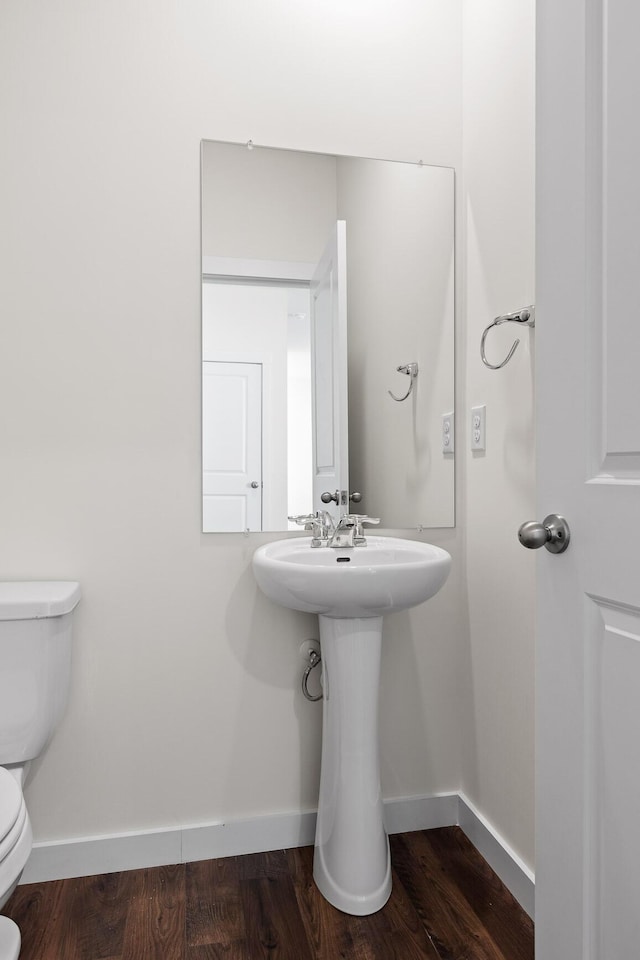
x=527 y=316
x=411 y=369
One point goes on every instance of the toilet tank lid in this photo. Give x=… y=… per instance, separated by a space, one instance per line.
x=36 y=599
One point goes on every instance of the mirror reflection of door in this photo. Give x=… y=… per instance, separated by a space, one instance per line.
x=232 y=446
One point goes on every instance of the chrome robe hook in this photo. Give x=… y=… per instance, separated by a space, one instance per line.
x=527 y=316
x=411 y=369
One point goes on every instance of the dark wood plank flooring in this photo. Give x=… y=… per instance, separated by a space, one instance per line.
x=446 y=904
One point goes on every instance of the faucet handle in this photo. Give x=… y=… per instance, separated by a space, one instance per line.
x=358 y=534
x=305 y=520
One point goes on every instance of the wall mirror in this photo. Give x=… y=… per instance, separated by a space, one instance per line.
x=327 y=292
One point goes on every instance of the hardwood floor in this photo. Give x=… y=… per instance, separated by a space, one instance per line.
x=446 y=904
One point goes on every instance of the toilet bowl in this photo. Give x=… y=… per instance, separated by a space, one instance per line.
x=35 y=659
x=15 y=847
x=9 y=939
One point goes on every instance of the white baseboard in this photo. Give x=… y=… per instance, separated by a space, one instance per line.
x=85 y=856
x=514 y=873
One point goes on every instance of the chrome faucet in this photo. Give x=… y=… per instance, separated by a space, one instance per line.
x=349 y=530
x=343 y=533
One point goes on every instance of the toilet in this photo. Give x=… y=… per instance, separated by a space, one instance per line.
x=35 y=661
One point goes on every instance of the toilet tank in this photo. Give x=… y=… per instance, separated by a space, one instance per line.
x=35 y=663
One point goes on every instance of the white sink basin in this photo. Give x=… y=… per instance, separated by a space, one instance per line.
x=386 y=575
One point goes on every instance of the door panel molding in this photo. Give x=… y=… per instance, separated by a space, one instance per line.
x=611 y=777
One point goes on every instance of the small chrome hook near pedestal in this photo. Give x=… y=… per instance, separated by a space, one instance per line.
x=314 y=661
x=527 y=316
x=411 y=369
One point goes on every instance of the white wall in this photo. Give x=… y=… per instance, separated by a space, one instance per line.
x=185 y=702
x=498 y=203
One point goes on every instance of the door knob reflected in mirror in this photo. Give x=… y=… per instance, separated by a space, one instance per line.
x=553 y=533
x=335 y=497
x=254 y=484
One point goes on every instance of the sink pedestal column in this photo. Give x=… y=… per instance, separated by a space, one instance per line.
x=351 y=867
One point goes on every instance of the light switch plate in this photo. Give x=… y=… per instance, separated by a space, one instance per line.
x=478 y=427
x=448 y=434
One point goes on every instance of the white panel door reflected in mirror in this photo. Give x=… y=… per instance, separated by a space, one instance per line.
x=267 y=217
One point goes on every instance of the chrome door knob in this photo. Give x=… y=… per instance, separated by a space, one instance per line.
x=254 y=484
x=553 y=533
x=328 y=497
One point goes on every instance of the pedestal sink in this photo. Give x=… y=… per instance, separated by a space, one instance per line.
x=351 y=589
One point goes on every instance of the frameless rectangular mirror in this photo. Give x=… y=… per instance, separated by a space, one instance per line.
x=327 y=298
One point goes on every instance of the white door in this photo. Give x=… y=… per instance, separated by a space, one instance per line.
x=329 y=365
x=588 y=382
x=231 y=446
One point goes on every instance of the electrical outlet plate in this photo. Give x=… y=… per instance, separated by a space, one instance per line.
x=478 y=427
x=448 y=434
